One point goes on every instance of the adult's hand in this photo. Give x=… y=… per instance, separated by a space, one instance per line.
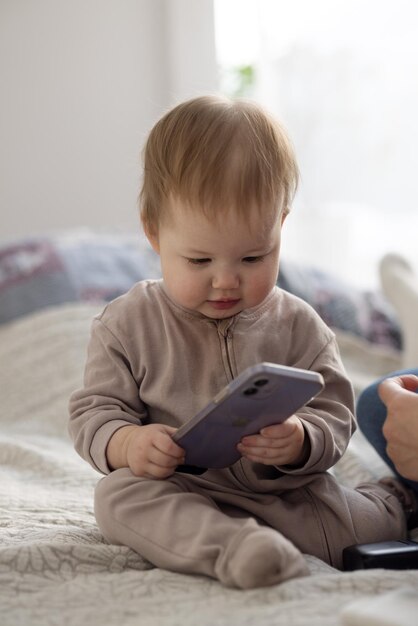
x=401 y=425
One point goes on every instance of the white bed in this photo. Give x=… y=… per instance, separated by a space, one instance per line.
x=55 y=568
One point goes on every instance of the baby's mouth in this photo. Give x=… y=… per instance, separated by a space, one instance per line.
x=224 y=303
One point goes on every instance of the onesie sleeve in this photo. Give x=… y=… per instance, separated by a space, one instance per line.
x=108 y=400
x=329 y=418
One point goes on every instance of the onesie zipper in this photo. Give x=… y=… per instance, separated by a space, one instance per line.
x=227 y=337
x=224 y=331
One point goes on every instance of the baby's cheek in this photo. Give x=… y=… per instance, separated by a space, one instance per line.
x=184 y=290
x=260 y=290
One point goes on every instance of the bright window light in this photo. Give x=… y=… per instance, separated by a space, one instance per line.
x=342 y=76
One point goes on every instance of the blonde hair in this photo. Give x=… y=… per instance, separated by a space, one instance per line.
x=216 y=154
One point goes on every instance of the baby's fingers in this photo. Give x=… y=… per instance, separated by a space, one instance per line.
x=258 y=441
x=279 y=431
x=154 y=470
x=164 y=460
x=165 y=444
x=265 y=455
x=269 y=436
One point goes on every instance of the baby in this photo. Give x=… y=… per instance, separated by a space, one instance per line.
x=219 y=178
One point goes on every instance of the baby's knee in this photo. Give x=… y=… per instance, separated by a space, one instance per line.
x=368 y=514
x=377 y=515
x=108 y=499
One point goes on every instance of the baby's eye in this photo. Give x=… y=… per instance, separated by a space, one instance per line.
x=198 y=261
x=253 y=259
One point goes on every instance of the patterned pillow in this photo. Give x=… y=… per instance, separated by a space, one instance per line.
x=84 y=266
x=364 y=313
x=45 y=271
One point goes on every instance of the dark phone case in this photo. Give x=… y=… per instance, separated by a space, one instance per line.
x=262 y=395
x=386 y=554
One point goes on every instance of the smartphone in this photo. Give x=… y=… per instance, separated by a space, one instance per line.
x=386 y=554
x=260 y=396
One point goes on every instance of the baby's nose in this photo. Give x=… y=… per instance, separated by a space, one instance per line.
x=225 y=279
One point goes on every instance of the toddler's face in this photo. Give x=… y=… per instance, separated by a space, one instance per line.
x=217 y=270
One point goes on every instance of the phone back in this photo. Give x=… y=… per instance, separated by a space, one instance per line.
x=262 y=395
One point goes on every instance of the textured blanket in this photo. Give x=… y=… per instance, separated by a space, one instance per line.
x=55 y=568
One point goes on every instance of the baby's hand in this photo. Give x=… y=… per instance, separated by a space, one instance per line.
x=280 y=444
x=149 y=450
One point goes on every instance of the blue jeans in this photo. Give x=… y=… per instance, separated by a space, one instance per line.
x=371 y=413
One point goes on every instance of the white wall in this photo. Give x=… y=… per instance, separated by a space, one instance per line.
x=82 y=82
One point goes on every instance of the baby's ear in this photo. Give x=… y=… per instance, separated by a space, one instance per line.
x=154 y=241
x=151 y=233
x=284 y=214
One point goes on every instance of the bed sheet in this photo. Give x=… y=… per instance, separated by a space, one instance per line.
x=55 y=568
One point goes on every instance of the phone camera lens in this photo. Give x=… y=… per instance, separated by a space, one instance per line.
x=250 y=391
x=261 y=382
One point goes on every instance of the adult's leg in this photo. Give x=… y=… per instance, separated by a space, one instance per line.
x=371 y=414
x=177 y=526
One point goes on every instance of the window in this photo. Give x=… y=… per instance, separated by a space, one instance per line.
x=343 y=77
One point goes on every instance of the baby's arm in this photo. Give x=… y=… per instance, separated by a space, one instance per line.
x=148 y=451
x=316 y=437
x=107 y=415
x=281 y=444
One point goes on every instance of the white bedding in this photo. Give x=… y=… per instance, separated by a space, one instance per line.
x=54 y=566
